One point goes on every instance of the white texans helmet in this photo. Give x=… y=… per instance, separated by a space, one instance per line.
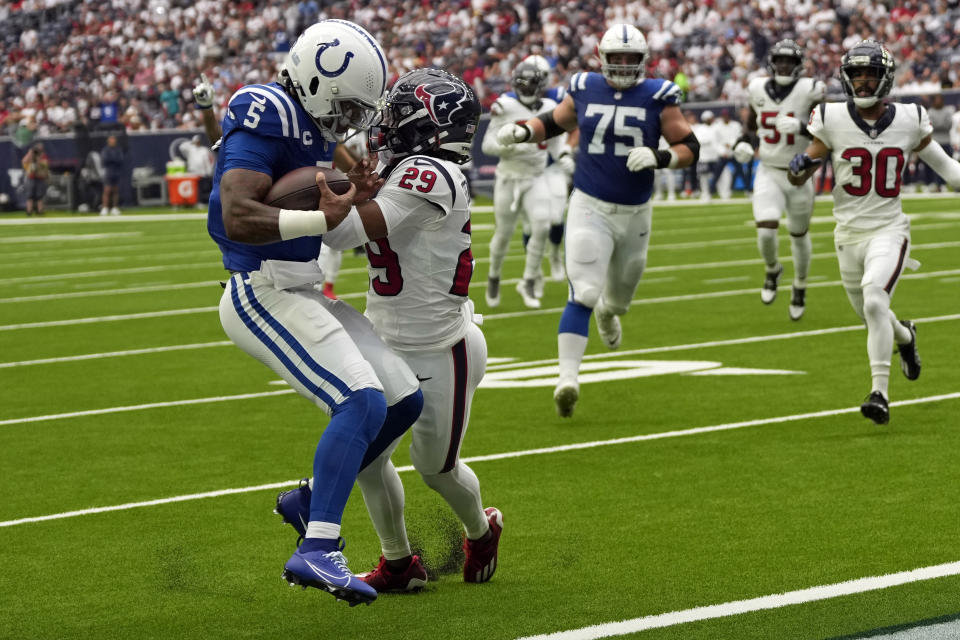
x=622 y=38
x=540 y=62
x=338 y=72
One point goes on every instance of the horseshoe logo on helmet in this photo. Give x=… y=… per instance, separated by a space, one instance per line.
x=336 y=72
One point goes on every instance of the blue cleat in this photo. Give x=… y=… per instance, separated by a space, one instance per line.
x=328 y=572
x=294 y=507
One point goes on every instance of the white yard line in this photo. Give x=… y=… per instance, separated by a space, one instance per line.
x=362 y=270
x=115 y=354
x=104 y=272
x=737 y=607
x=494 y=456
x=713 y=343
x=492 y=316
x=141 y=407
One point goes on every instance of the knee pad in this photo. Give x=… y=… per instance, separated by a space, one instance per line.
x=366 y=409
x=797 y=228
x=876 y=302
x=586 y=295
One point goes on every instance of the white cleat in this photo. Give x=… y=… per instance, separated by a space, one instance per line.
x=797 y=303
x=492 y=294
x=527 y=288
x=769 y=290
x=565 y=397
x=608 y=326
x=557 y=273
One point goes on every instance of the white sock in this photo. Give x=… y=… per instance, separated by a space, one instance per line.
x=383 y=494
x=901 y=335
x=876 y=313
x=461 y=489
x=570 y=349
x=327 y=530
x=802 y=252
x=767 y=244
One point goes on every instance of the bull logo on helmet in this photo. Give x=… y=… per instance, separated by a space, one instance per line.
x=441 y=100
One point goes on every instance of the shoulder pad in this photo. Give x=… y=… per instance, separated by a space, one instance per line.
x=577 y=82
x=265 y=110
x=668 y=93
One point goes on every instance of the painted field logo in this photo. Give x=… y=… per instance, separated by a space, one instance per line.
x=517 y=375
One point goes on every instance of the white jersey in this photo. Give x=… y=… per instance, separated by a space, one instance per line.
x=420 y=273
x=777 y=149
x=709 y=145
x=868 y=161
x=521 y=160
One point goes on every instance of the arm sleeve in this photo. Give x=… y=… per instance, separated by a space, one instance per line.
x=938 y=160
x=348 y=234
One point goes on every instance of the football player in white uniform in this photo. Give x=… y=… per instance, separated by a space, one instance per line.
x=520 y=186
x=779 y=107
x=870 y=141
x=417 y=234
x=558 y=174
x=621 y=117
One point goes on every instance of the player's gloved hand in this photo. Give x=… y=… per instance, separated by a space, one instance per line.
x=787 y=124
x=641 y=158
x=801 y=162
x=566 y=162
x=743 y=152
x=513 y=133
x=203 y=92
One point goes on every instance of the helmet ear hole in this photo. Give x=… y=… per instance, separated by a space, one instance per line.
x=314 y=85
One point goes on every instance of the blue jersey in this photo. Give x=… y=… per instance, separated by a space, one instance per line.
x=267 y=131
x=612 y=122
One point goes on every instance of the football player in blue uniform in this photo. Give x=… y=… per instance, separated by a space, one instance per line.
x=621 y=117
x=333 y=79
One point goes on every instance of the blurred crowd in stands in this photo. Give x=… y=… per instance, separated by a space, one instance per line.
x=74 y=65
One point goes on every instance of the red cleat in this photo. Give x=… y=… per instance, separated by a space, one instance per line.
x=481 y=560
x=384 y=580
x=328 y=290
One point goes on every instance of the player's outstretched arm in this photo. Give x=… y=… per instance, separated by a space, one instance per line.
x=247 y=219
x=803 y=165
x=203 y=95
x=937 y=159
x=562 y=118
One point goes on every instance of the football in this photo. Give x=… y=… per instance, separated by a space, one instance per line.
x=298 y=189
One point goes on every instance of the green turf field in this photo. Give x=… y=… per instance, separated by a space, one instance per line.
x=141 y=452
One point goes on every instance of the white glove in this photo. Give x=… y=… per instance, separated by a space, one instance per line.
x=641 y=158
x=510 y=134
x=203 y=93
x=787 y=124
x=566 y=162
x=743 y=152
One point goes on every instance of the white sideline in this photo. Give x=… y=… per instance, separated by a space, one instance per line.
x=736 y=607
x=493 y=456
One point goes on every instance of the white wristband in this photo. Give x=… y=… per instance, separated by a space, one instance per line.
x=674 y=159
x=296 y=224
